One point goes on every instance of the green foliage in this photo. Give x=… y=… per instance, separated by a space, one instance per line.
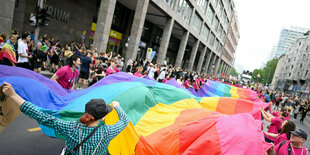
x=266 y=73
x=233 y=72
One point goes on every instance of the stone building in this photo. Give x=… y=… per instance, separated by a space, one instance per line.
x=294 y=76
x=199 y=35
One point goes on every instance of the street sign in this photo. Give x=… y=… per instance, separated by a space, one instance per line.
x=9 y=111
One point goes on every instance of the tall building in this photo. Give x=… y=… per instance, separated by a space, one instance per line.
x=198 y=35
x=294 y=70
x=287 y=37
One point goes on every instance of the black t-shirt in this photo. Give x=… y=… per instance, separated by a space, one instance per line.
x=39 y=54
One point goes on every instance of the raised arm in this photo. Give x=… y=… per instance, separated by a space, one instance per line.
x=265 y=116
x=121 y=124
x=60 y=126
x=271 y=134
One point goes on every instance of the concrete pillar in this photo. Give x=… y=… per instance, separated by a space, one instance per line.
x=212 y=63
x=228 y=70
x=217 y=64
x=221 y=68
x=104 y=23
x=136 y=29
x=6 y=15
x=202 y=57
x=207 y=65
x=181 y=50
x=193 y=55
x=164 y=43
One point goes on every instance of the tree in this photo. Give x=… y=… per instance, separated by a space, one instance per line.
x=233 y=72
x=266 y=74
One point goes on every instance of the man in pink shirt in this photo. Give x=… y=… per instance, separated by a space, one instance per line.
x=294 y=146
x=187 y=83
x=66 y=75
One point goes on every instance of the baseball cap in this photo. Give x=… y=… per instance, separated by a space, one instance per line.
x=300 y=133
x=98 y=108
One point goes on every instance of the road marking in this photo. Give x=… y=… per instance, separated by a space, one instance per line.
x=307 y=124
x=34 y=129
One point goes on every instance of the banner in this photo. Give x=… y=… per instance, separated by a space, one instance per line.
x=148 y=54
x=152 y=55
x=9 y=111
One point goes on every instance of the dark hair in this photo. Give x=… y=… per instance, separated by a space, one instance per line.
x=24 y=36
x=73 y=58
x=87 y=119
x=58 y=45
x=284 y=112
x=287 y=128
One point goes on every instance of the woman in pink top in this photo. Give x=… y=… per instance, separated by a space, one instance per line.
x=138 y=72
x=287 y=127
x=112 y=69
x=187 y=83
x=197 y=83
x=275 y=125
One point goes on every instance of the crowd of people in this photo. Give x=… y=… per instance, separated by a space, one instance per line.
x=74 y=64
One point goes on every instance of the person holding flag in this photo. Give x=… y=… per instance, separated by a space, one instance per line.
x=8 y=52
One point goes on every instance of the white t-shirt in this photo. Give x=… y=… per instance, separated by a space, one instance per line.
x=162 y=75
x=22 y=49
x=151 y=72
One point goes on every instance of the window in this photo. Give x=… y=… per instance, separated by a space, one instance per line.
x=215 y=45
x=306 y=73
x=210 y=14
x=300 y=65
x=211 y=39
x=289 y=74
x=292 y=66
x=205 y=32
x=196 y=23
x=185 y=10
x=202 y=4
x=215 y=23
x=170 y=2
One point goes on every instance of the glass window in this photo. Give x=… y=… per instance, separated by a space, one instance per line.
x=215 y=23
x=185 y=10
x=216 y=43
x=202 y=4
x=211 y=39
x=170 y=2
x=205 y=32
x=196 y=23
x=210 y=13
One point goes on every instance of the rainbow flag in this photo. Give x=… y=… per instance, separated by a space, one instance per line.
x=164 y=119
x=8 y=52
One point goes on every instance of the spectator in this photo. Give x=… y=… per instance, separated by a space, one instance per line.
x=84 y=72
x=112 y=67
x=8 y=52
x=23 y=57
x=66 y=75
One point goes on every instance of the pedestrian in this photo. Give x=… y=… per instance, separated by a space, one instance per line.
x=23 y=53
x=84 y=72
x=97 y=71
x=38 y=58
x=67 y=55
x=285 y=134
x=55 y=58
x=98 y=136
x=112 y=67
x=303 y=109
x=8 y=52
x=66 y=75
x=294 y=146
x=138 y=72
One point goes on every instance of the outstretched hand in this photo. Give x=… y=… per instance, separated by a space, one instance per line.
x=115 y=104
x=8 y=90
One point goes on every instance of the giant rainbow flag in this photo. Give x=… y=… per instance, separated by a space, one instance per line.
x=164 y=119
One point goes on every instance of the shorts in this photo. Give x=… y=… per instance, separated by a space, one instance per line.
x=84 y=75
x=37 y=64
x=55 y=60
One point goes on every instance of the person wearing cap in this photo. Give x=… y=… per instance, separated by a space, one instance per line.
x=76 y=131
x=292 y=147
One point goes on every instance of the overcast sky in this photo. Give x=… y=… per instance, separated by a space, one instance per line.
x=261 y=23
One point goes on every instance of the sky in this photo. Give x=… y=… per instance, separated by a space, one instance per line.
x=260 y=25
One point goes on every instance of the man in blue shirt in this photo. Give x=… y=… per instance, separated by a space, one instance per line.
x=84 y=72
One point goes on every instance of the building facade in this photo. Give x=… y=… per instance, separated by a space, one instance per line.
x=294 y=76
x=199 y=35
x=287 y=38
